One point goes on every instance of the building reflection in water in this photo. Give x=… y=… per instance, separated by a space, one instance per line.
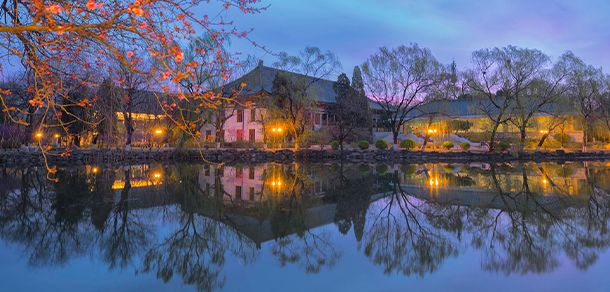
x=407 y=218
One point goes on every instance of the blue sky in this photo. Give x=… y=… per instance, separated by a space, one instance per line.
x=355 y=29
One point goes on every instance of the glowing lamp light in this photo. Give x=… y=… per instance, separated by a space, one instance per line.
x=431 y=182
x=56 y=135
x=279 y=130
x=95 y=169
x=273 y=130
x=157 y=175
x=39 y=135
x=544 y=131
x=273 y=183
x=158 y=132
x=544 y=181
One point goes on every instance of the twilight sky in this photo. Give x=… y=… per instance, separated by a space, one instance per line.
x=355 y=29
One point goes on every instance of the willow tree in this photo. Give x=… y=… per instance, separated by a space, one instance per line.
x=587 y=87
x=536 y=88
x=399 y=79
x=499 y=81
x=295 y=93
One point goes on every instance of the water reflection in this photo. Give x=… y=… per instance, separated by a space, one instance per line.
x=407 y=219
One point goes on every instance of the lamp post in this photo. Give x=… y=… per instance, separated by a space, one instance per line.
x=39 y=137
x=430 y=133
x=278 y=131
x=159 y=133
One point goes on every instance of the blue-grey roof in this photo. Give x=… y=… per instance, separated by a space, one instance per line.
x=260 y=79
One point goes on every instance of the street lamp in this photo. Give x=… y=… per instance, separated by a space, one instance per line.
x=544 y=131
x=159 y=132
x=277 y=131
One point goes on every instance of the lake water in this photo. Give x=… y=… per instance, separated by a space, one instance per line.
x=307 y=227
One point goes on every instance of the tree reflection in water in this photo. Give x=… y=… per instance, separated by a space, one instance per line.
x=398 y=237
x=521 y=218
x=289 y=209
x=196 y=250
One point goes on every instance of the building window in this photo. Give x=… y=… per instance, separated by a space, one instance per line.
x=251 y=193
x=240 y=115
x=252 y=135
x=239 y=172
x=252 y=114
x=208 y=134
x=240 y=134
x=238 y=192
x=251 y=172
x=317 y=120
x=324 y=117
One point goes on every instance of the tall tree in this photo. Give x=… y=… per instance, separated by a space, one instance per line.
x=499 y=80
x=540 y=92
x=350 y=109
x=293 y=93
x=358 y=86
x=399 y=79
x=586 y=87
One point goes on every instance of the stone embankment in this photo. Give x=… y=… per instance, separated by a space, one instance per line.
x=59 y=157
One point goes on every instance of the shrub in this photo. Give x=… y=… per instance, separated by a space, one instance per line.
x=363 y=168
x=241 y=144
x=408 y=170
x=381 y=169
x=334 y=145
x=465 y=145
x=363 y=145
x=448 y=145
x=408 y=144
x=466 y=168
x=448 y=168
x=478 y=137
x=566 y=138
x=503 y=145
x=381 y=144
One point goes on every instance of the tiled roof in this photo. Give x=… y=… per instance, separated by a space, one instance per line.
x=260 y=79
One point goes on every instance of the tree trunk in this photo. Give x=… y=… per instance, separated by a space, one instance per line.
x=522 y=140
x=129 y=131
x=423 y=148
x=542 y=142
x=395 y=134
x=584 y=137
x=493 y=136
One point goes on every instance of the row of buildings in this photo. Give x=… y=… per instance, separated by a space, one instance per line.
x=244 y=124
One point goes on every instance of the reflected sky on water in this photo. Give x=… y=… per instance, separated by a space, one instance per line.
x=307 y=227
